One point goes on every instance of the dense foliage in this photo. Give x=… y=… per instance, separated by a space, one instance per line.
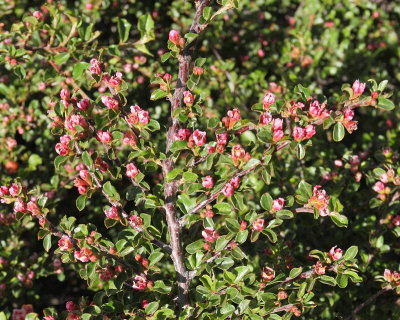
x=208 y=159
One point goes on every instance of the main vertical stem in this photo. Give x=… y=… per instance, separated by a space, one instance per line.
x=171 y=187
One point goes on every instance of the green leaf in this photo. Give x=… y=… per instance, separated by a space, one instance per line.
x=385 y=104
x=173 y=174
x=190 y=177
x=266 y=201
x=123 y=30
x=295 y=272
x=151 y=308
x=350 y=253
x=47 y=242
x=338 y=132
x=61 y=58
x=195 y=246
x=328 y=280
x=158 y=94
x=241 y=272
x=146 y=23
x=165 y=56
x=155 y=257
x=110 y=190
x=59 y=160
x=81 y=202
x=78 y=70
x=87 y=159
x=342 y=280
x=207 y=13
x=284 y=214
x=340 y=220
x=178 y=145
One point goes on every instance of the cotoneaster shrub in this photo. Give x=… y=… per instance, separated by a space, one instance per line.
x=199 y=160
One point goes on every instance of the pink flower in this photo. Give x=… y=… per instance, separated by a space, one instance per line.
x=104 y=136
x=188 y=98
x=222 y=138
x=267 y=274
x=228 y=190
x=95 y=67
x=83 y=105
x=278 y=204
x=20 y=206
x=210 y=235
x=208 y=182
x=335 y=253
x=70 y=306
x=309 y=131
x=174 y=37
x=115 y=80
x=232 y=117
x=131 y=170
x=320 y=201
x=268 y=100
x=138 y=116
x=14 y=190
x=85 y=255
x=237 y=153
x=135 y=222
x=258 y=224
x=33 y=208
x=318 y=110
x=378 y=187
x=277 y=124
x=243 y=225
x=38 y=15
x=265 y=118
x=235 y=182
x=199 y=137
x=112 y=213
x=348 y=114
x=319 y=268
x=4 y=191
x=129 y=138
x=85 y=175
x=139 y=283
x=183 y=134
x=277 y=135
x=358 y=88
x=64 y=243
x=64 y=94
x=143 y=117
x=198 y=71
x=298 y=133
x=110 y=102
x=75 y=120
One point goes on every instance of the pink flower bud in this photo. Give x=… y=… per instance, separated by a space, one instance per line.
x=228 y=190
x=277 y=124
x=222 y=138
x=243 y=225
x=188 y=98
x=183 y=134
x=174 y=37
x=14 y=190
x=33 y=208
x=198 y=71
x=209 y=234
x=298 y=133
x=70 y=306
x=64 y=243
x=20 y=206
x=139 y=283
x=104 y=136
x=208 y=182
x=112 y=213
x=83 y=105
x=65 y=94
x=348 y=114
x=268 y=274
x=110 y=102
x=277 y=135
x=358 y=88
x=278 y=204
x=378 y=187
x=199 y=137
x=335 y=253
x=268 y=100
x=258 y=224
x=131 y=170
x=38 y=15
x=95 y=67
x=265 y=118
x=135 y=222
x=319 y=268
x=309 y=131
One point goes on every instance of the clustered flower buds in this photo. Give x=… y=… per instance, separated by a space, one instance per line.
x=138 y=116
x=233 y=116
x=319 y=201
